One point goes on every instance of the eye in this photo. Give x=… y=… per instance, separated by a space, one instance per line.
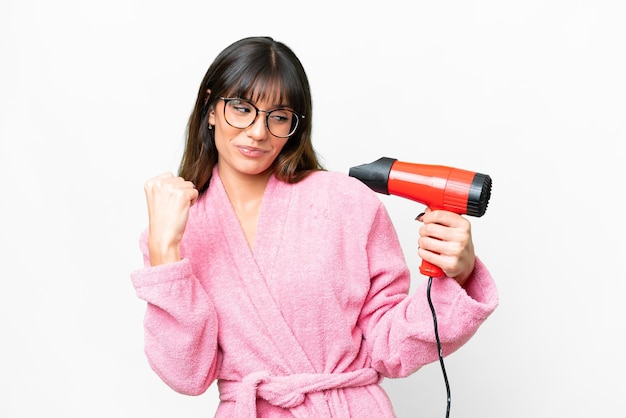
x=241 y=106
x=281 y=116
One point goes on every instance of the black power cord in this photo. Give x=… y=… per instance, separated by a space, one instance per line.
x=439 y=350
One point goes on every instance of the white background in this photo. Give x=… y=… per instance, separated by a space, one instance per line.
x=94 y=98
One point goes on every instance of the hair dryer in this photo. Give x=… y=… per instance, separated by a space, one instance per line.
x=436 y=186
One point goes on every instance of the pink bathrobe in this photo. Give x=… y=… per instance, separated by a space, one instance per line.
x=308 y=322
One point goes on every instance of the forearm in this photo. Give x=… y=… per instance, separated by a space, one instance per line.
x=404 y=340
x=180 y=327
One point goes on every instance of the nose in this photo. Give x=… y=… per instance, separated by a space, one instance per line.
x=258 y=130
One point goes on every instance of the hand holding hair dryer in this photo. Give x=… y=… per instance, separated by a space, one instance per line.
x=438 y=187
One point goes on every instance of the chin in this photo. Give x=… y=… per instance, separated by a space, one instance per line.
x=255 y=169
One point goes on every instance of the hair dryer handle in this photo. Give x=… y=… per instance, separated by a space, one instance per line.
x=431 y=270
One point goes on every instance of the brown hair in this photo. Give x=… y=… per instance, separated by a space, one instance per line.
x=251 y=66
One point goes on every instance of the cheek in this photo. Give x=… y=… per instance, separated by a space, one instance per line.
x=278 y=144
x=222 y=131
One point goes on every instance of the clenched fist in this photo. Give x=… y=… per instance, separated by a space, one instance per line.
x=169 y=199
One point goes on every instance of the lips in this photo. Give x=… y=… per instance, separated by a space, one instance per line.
x=251 y=151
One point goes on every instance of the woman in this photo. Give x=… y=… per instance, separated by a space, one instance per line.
x=285 y=282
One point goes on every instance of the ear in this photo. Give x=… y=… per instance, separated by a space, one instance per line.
x=212 y=117
x=212 y=109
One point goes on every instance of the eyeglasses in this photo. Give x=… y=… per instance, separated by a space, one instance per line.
x=240 y=113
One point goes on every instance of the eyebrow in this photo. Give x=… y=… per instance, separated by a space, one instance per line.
x=274 y=106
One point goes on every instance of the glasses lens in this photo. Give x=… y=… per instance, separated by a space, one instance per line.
x=239 y=113
x=282 y=122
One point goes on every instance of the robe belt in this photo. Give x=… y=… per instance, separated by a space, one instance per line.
x=287 y=391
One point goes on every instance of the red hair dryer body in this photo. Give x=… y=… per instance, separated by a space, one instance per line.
x=438 y=187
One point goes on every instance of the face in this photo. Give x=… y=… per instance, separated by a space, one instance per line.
x=249 y=151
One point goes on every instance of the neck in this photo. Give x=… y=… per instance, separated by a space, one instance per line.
x=246 y=195
x=244 y=190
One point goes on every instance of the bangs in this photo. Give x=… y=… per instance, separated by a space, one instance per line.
x=267 y=86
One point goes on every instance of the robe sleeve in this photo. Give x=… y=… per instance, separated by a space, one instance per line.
x=398 y=329
x=180 y=325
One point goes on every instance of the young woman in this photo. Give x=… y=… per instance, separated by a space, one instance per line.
x=285 y=282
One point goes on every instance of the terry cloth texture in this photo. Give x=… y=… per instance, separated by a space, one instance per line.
x=309 y=321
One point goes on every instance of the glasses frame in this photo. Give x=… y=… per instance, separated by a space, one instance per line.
x=267 y=115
